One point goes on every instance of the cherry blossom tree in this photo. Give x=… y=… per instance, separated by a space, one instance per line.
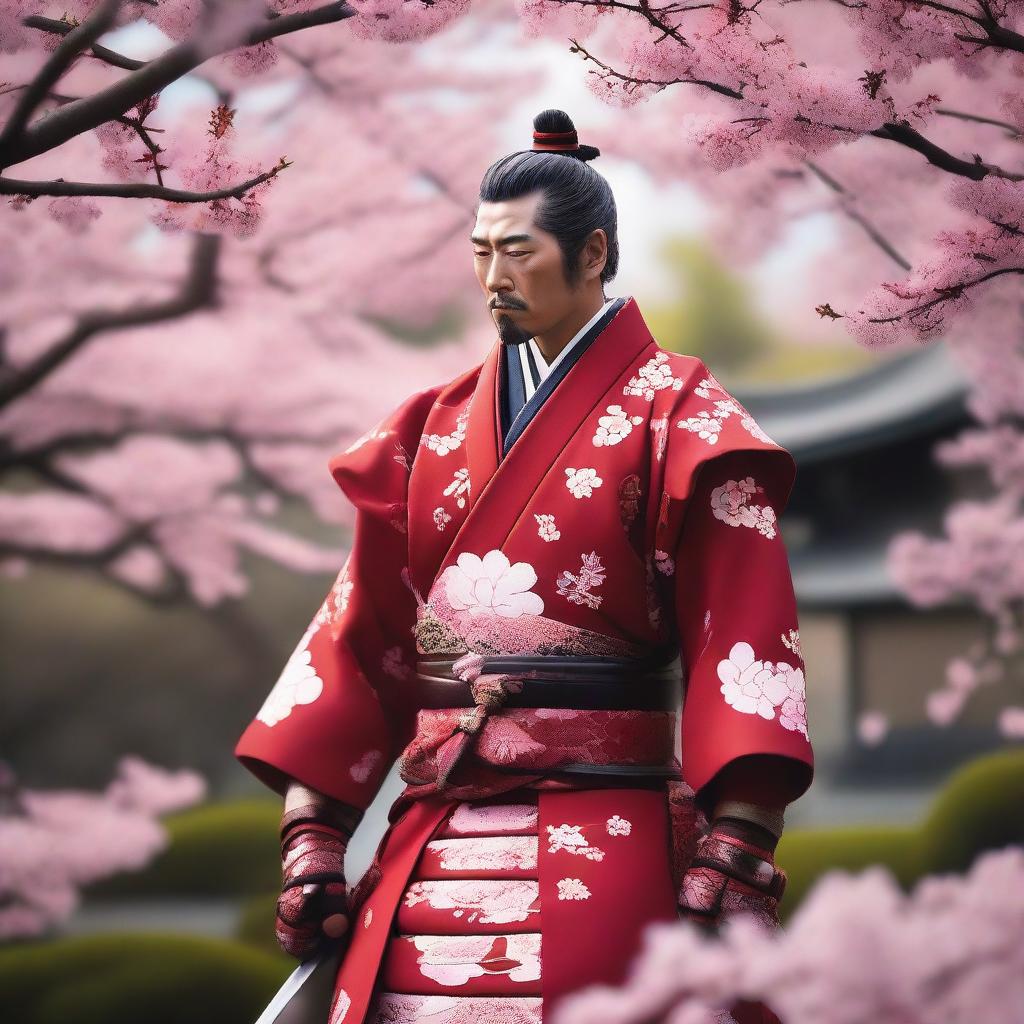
x=901 y=122
x=187 y=342
x=856 y=949
x=54 y=843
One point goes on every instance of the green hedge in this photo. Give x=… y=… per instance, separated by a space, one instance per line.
x=227 y=849
x=256 y=922
x=231 y=849
x=981 y=807
x=128 y=978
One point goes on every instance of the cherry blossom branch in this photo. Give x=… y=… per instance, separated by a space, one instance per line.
x=78 y=39
x=56 y=27
x=946 y=293
x=137 y=190
x=610 y=72
x=858 y=218
x=198 y=290
x=1011 y=129
x=57 y=128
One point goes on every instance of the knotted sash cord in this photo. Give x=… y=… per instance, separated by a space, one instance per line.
x=630 y=742
x=490 y=691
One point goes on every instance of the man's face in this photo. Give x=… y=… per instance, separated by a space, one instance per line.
x=520 y=267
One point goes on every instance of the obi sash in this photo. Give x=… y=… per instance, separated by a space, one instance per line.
x=493 y=722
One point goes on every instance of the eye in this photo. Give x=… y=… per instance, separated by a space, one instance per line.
x=519 y=252
x=481 y=254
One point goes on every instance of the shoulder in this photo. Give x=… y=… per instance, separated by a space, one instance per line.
x=707 y=422
x=375 y=467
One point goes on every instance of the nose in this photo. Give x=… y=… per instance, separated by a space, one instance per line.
x=497 y=279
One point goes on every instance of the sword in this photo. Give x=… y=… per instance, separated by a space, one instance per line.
x=305 y=997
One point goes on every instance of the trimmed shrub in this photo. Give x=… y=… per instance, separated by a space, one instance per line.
x=118 y=979
x=225 y=849
x=981 y=807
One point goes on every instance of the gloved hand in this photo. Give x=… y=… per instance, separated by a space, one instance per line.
x=729 y=874
x=315 y=831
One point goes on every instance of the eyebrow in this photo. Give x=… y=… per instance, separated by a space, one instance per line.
x=507 y=240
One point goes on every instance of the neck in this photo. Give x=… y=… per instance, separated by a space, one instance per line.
x=552 y=342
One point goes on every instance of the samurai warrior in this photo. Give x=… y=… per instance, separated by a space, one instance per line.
x=568 y=614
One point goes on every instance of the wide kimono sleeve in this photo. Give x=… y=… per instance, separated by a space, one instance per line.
x=344 y=705
x=744 y=720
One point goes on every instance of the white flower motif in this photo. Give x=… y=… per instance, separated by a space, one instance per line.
x=546 y=528
x=792 y=641
x=708 y=425
x=731 y=504
x=364 y=767
x=572 y=889
x=618 y=826
x=655 y=375
x=459 y=487
x=704 y=425
x=707 y=385
x=663 y=562
x=298 y=683
x=368 y=917
x=441 y=517
x=615 y=426
x=577 y=589
x=760 y=687
x=582 y=482
x=492 y=585
x=443 y=444
x=335 y=604
x=570 y=839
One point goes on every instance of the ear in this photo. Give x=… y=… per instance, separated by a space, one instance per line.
x=595 y=254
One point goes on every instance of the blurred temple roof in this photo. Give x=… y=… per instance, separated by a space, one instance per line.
x=906 y=395
x=866 y=432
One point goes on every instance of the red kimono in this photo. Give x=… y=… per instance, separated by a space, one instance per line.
x=636 y=512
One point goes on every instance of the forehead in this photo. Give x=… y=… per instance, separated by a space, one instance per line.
x=510 y=216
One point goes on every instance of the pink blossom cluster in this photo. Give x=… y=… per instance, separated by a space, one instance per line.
x=213 y=365
x=857 y=949
x=54 y=843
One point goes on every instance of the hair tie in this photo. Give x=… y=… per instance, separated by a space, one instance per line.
x=555 y=141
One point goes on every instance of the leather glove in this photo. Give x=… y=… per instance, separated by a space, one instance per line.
x=313 y=904
x=730 y=874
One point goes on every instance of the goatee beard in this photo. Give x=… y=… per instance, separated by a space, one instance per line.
x=510 y=332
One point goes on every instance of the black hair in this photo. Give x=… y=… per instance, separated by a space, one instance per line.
x=577 y=199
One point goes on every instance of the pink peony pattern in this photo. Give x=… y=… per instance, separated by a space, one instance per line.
x=492 y=585
x=731 y=504
x=441 y=517
x=764 y=688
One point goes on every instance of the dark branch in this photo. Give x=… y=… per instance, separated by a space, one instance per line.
x=59 y=61
x=91 y=111
x=198 y=290
x=137 y=190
